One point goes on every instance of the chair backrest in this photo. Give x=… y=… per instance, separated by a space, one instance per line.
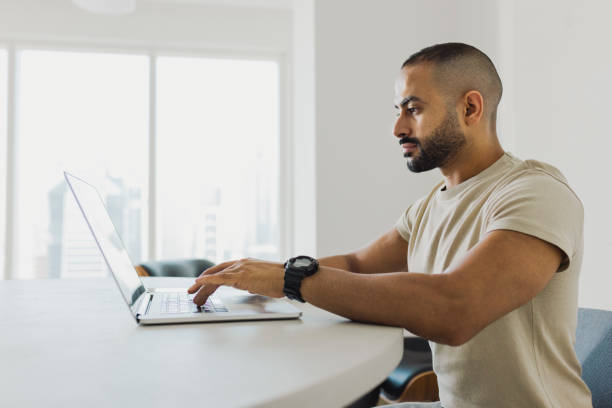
x=594 y=350
x=187 y=268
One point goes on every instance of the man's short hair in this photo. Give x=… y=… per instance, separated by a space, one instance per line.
x=459 y=68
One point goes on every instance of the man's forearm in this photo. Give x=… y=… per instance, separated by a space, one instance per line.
x=348 y=262
x=338 y=262
x=386 y=254
x=426 y=305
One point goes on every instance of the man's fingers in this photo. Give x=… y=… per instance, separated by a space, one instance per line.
x=212 y=278
x=222 y=278
x=204 y=293
x=212 y=270
x=217 y=268
x=210 y=283
x=206 y=277
x=193 y=288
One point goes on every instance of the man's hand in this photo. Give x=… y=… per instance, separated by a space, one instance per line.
x=260 y=277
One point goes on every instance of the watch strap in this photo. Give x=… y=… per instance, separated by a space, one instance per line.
x=293 y=282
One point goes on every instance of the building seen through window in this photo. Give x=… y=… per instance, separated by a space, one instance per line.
x=218 y=130
x=217 y=137
x=71 y=250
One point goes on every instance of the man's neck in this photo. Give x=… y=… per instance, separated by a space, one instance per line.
x=470 y=161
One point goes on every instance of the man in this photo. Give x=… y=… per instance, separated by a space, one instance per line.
x=485 y=266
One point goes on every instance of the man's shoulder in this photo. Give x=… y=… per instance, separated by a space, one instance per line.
x=535 y=167
x=535 y=175
x=533 y=179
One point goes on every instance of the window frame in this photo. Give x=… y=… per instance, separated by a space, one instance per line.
x=284 y=163
x=4 y=144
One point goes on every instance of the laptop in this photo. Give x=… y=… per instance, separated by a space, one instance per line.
x=172 y=305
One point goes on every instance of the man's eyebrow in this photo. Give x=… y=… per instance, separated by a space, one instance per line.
x=409 y=99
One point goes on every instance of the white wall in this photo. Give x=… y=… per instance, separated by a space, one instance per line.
x=563 y=83
x=362 y=182
x=554 y=60
x=303 y=170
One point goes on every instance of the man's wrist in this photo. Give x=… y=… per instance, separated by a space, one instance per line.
x=293 y=282
x=296 y=270
x=308 y=284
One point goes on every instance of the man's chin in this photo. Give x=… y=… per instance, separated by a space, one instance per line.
x=416 y=166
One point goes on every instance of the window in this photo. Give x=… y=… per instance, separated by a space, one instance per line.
x=216 y=146
x=3 y=146
x=218 y=130
x=86 y=113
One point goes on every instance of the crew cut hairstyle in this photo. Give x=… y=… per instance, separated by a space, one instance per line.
x=459 y=68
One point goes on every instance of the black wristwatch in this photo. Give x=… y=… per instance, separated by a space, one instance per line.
x=297 y=269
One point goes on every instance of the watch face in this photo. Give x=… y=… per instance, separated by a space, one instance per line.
x=301 y=262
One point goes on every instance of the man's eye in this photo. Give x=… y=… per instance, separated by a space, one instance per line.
x=409 y=110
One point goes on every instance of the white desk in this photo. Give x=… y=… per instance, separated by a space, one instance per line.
x=73 y=343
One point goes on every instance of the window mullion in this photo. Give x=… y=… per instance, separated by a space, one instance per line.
x=11 y=238
x=152 y=201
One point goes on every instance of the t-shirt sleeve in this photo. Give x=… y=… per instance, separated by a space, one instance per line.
x=404 y=225
x=406 y=221
x=542 y=206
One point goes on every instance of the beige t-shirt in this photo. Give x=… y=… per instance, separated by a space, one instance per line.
x=525 y=358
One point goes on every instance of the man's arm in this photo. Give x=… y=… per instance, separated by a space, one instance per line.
x=386 y=254
x=504 y=271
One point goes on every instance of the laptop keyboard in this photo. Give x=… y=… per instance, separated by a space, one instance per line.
x=180 y=302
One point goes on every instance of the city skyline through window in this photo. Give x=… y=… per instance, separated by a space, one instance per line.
x=217 y=124
x=86 y=113
x=217 y=138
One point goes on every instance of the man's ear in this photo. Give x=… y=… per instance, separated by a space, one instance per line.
x=473 y=107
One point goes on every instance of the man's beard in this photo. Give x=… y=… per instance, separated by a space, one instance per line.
x=437 y=148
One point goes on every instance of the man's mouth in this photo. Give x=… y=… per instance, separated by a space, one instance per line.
x=409 y=148
x=408 y=145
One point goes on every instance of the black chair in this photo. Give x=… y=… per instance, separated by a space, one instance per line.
x=413 y=379
x=594 y=351
x=184 y=268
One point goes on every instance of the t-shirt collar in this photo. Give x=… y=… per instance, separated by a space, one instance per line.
x=493 y=169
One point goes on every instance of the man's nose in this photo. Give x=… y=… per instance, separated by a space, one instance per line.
x=400 y=129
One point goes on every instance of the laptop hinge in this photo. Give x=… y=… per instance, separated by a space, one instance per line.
x=144 y=304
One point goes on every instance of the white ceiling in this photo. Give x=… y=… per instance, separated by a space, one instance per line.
x=273 y=4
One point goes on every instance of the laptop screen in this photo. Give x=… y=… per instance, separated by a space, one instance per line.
x=105 y=234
